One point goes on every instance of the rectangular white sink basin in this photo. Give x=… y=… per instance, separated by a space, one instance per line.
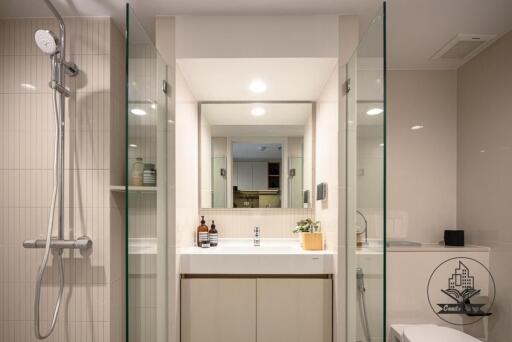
x=239 y=256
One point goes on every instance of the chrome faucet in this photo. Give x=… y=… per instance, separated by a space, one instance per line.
x=256 y=239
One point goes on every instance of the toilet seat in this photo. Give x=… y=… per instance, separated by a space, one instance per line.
x=427 y=333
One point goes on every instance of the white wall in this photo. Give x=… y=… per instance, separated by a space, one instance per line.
x=485 y=164
x=187 y=163
x=256 y=36
x=421 y=163
x=220 y=147
x=326 y=158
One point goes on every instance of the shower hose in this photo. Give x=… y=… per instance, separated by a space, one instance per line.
x=56 y=187
x=364 y=315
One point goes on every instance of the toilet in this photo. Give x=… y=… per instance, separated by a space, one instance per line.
x=427 y=333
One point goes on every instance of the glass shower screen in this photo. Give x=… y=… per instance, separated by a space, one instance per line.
x=366 y=204
x=146 y=187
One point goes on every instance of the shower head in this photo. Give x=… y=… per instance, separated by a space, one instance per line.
x=47 y=41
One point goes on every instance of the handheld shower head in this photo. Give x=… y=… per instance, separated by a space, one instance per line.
x=47 y=41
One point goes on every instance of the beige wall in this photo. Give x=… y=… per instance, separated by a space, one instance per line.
x=484 y=168
x=326 y=158
x=239 y=223
x=169 y=317
x=93 y=296
x=205 y=167
x=239 y=36
x=421 y=163
x=187 y=163
x=309 y=157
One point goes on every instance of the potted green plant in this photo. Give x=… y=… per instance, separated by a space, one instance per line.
x=310 y=235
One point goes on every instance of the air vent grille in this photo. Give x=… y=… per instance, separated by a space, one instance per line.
x=464 y=46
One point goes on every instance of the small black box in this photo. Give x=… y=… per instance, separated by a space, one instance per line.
x=454 y=238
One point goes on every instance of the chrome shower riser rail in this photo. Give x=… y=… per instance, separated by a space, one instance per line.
x=60 y=88
x=82 y=243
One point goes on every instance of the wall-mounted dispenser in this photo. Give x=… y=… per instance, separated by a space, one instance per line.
x=306 y=196
x=321 y=191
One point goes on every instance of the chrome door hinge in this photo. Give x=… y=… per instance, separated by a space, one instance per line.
x=165 y=86
x=348 y=85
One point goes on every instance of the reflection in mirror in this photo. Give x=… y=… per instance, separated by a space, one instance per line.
x=256 y=155
x=256 y=176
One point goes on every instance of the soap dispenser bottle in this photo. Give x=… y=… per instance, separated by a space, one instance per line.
x=202 y=234
x=213 y=235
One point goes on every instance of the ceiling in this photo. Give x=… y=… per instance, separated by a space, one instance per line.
x=416 y=28
x=228 y=79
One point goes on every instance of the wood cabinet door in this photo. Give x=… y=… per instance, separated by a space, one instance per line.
x=218 y=310
x=298 y=310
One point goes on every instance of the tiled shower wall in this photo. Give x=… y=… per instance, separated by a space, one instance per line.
x=92 y=307
x=239 y=223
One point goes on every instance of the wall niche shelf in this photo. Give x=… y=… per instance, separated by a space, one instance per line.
x=122 y=188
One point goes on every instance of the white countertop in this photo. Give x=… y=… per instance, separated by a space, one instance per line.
x=435 y=247
x=240 y=256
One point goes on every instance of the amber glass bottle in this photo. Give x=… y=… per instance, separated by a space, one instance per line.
x=202 y=234
x=213 y=235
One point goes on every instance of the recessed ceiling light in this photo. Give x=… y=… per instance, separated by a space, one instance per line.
x=257 y=86
x=375 y=111
x=153 y=105
x=28 y=86
x=138 y=111
x=381 y=144
x=258 y=111
x=132 y=145
x=416 y=127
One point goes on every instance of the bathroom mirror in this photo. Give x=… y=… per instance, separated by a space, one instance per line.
x=256 y=155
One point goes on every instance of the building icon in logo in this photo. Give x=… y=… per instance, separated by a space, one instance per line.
x=461 y=280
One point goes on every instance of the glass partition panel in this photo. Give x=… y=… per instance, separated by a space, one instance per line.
x=296 y=197
x=219 y=182
x=146 y=170
x=366 y=206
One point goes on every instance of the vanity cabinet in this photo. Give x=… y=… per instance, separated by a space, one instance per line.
x=256 y=309
x=218 y=310
x=298 y=310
